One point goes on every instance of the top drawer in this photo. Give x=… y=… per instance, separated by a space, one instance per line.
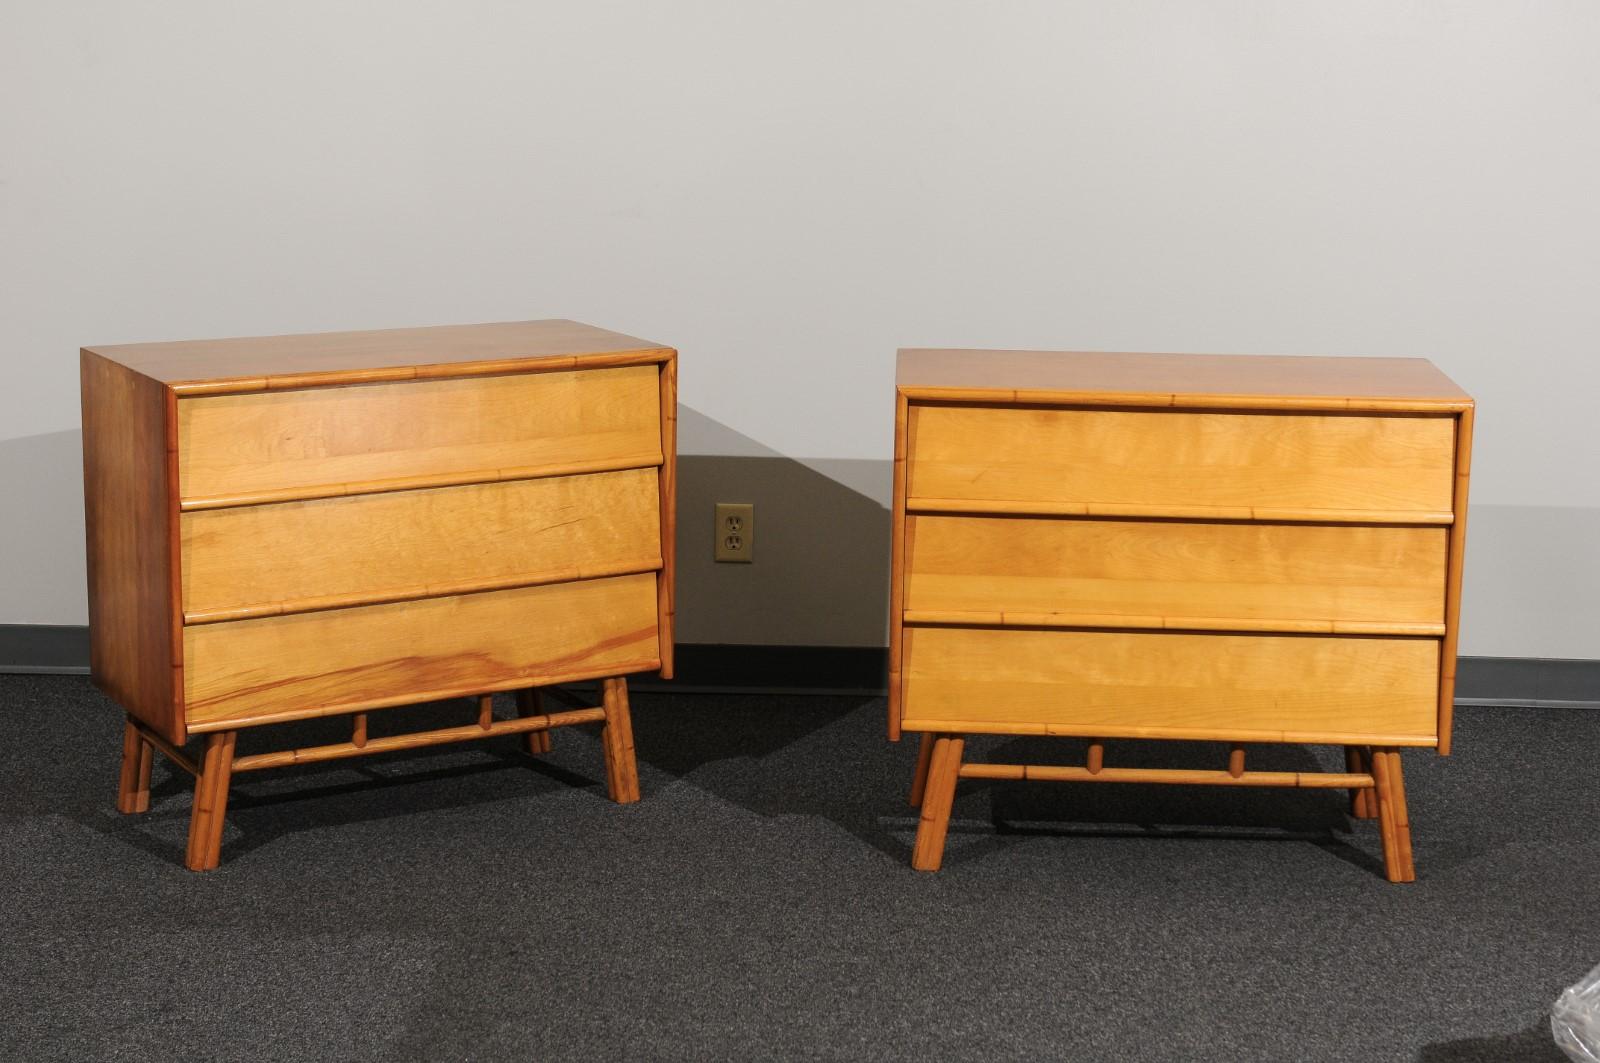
x=1244 y=465
x=318 y=442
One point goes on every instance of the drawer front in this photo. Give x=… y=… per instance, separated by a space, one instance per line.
x=1150 y=458
x=286 y=557
x=1017 y=566
x=313 y=664
x=323 y=441
x=1154 y=684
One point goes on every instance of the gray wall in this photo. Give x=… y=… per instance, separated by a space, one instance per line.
x=788 y=192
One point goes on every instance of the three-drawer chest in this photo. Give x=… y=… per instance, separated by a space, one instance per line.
x=298 y=526
x=1239 y=549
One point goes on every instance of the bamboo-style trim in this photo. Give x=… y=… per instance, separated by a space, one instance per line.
x=1402 y=817
x=1203 y=734
x=897 y=566
x=1167 y=400
x=204 y=850
x=1457 y=548
x=417 y=697
x=1394 y=868
x=416 y=740
x=428 y=590
x=1094 y=762
x=531 y=703
x=919 y=780
x=1176 y=776
x=1236 y=760
x=168 y=750
x=174 y=537
x=311 y=492
x=999 y=618
x=1287 y=515
x=433 y=371
x=622 y=767
x=133 y=782
x=944 y=769
x=667 y=487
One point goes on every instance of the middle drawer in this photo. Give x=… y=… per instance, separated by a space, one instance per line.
x=1226 y=574
x=296 y=556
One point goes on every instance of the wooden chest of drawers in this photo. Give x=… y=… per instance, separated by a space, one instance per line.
x=1234 y=548
x=298 y=526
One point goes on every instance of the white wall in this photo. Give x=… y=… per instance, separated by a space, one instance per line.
x=789 y=191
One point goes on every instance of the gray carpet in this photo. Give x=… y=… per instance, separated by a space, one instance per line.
x=471 y=903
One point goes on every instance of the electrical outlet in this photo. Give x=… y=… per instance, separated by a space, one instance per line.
x=735 y=532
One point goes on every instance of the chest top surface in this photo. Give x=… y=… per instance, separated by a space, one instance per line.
x=256 y=363
x=1174 y=379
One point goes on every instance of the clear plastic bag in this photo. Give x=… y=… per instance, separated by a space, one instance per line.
x=1575 y=1019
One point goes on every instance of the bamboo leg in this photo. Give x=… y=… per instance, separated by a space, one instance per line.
x=1394 y=859
x=1402 y=816
x=133 y=786
x=531 y=703
x=937 y=799
x=485 y=711
x=919 y=781
x=622 y=767
x=1363 y=801
x=210 y=802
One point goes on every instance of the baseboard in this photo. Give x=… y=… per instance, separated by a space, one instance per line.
x=860 y=670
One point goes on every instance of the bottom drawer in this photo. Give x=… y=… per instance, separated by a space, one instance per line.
x=1160 y=684
x=314 y=664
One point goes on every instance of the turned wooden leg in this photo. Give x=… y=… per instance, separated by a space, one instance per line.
x=1393 y=819
x=939 y=795
x=531 y=703
x=133 y=785
x=919 y=781
x=1363 y=800
x=622 y=768
x=210 y=802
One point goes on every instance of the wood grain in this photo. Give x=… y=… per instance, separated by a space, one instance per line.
x=296 y=556
x=314 y=664
x=933 y=825
x=1452 y=609
x=1235 y=573
x=1194 y=380
x=667 y=484
x=130 y=522
x=897 y=568
x=1171 y=776
x=365 y=437
x=260 y=362
x=1143 y=684
x=1162 y=458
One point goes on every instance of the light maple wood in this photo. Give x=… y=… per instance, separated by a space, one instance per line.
x=1363 y=804
x=919 y=780
x=311 y=664
x=471 y=732
x=531 y=703
x=130 y=522
x=622 y=771
x=944 y=769
x=1129 y=683
x=667 y=486
x=1452 y=608
x=1292 y=576
x=299 y=556
x=294 y=526
x=1182 y=458
x=133 y=787
x=897 y=580
x=1178 y=380
x=253 y=363
x=1393 y=823
x=367 y=437
x=1095 y=758
x=1236 y=761
x=210 y=802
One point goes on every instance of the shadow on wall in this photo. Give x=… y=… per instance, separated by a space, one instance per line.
x=42 y=576
x=821 y=571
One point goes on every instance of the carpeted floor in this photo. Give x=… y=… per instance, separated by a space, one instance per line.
x=468 y=902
